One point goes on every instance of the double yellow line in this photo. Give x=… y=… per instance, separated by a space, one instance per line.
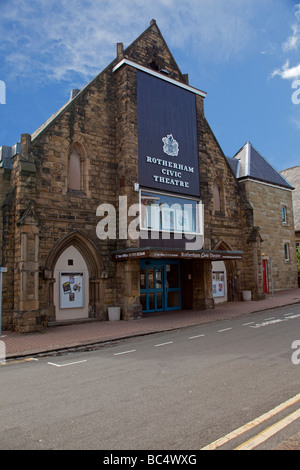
x=264 y=435
x=19 y=361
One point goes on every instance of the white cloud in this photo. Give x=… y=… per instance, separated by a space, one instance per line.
x=287 y=72
x=64 y=39
x=291 y=44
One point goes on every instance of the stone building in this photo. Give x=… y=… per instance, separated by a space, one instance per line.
x=293 y=176
x=271 y=197
x=125 y=198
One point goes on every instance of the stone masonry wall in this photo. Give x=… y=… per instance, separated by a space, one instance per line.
x=267 y=202
x=4 y=187
x=42 y=212
x=232 y=225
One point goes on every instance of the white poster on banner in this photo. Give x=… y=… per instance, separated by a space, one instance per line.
x=71 y=290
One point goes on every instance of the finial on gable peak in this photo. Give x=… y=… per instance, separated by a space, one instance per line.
x=152 y=22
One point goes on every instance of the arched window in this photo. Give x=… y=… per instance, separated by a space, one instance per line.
x=76 y=167
x=217 y=198
x=218 y=195
x=74 y=170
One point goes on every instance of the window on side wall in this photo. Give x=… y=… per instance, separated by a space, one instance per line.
x=286 y=252
x=284 y=214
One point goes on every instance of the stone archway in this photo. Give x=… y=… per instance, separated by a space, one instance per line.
x=86 y=251
x=71 y=287
x=232 y=273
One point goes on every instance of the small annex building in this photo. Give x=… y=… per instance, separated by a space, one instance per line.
x=271 y=196
x=293 y=176
x=125 y=198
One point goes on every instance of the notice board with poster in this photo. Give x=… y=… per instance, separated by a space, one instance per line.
x=71 y=290
x=218 y=283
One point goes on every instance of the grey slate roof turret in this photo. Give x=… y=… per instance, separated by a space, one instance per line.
x=248 y=163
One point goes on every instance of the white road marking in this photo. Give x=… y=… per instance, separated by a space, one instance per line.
x=225 y=329
x=237 y=432
x=163 y=344
x=267 y=323
x=124 y=352
x=273 y=320
x=269 y=432
x=197 y=336
x=250 y=323
x=64 y=365
x=291 y=316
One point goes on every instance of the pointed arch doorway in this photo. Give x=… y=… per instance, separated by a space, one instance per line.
x=226 y=280
x=74 y=261
x=71 y=289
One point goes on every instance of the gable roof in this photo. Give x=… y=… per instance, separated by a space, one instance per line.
x=248 y=163
x=130 y=57
x=234 y=165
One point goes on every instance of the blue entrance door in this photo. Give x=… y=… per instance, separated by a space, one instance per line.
x=160 y=286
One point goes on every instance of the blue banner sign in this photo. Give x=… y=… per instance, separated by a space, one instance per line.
x=167 y=136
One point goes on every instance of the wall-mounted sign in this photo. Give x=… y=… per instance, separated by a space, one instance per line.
x=167 y=136
x=200 y=255
x=71 y=290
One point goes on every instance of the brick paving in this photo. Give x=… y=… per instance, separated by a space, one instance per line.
x=88 y=333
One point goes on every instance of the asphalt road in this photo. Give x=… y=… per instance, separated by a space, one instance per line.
x=184 y=389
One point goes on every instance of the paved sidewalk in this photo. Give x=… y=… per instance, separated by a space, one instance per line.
x=83 y=334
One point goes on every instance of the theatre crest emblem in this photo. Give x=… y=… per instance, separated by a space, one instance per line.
x=171 y=146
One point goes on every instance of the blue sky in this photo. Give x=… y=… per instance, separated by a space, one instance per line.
x=244 y=53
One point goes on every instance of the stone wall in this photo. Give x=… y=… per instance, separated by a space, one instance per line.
x=231 y=227
x=293 y=177
x=4 y=188
x=44 y=217
x=267 y=202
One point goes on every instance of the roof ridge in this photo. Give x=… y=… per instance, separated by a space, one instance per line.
x=48 y=122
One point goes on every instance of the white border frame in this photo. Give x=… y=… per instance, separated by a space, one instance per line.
x=159 y=75
x=199 y=213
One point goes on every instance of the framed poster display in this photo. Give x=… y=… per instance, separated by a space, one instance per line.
x=71 y=290
x=218 y=284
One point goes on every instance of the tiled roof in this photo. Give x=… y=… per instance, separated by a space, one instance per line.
x=7 y=153
x=251 y=164
x=234 y=163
